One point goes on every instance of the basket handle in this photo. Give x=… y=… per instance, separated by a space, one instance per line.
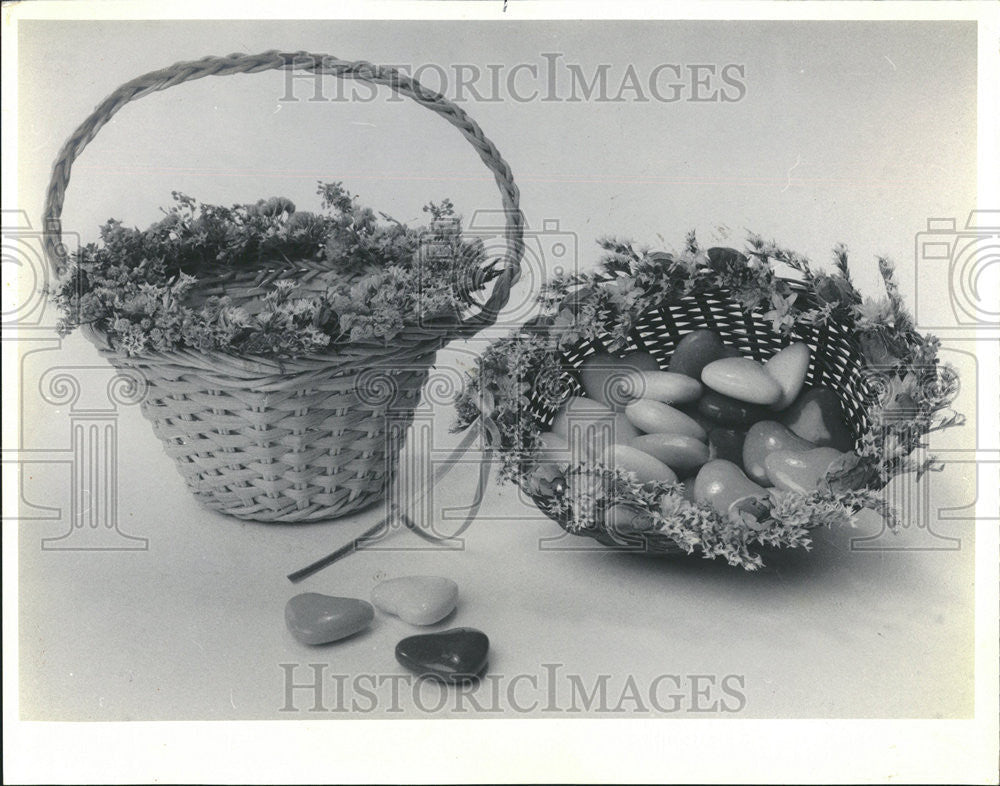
x=319 y=64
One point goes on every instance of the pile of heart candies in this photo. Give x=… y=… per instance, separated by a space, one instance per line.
x=725 y=426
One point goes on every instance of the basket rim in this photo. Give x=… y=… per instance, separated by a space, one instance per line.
x=484 y=314
x=362 y=356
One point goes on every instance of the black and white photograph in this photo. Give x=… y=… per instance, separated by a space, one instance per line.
x=501 y=392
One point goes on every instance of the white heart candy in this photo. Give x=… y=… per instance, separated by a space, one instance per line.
x=419 y=600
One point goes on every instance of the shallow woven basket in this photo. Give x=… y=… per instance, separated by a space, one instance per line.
x=836 y=362
x=305 y=438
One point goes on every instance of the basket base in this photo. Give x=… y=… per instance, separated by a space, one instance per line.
x=293 y=515
x=309 y=443
x=653 y=544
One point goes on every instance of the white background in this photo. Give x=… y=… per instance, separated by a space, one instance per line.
x=849 y=132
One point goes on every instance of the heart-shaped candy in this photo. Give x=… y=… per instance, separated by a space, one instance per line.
x=456 y=655
x=319 y=619
x=419 y=600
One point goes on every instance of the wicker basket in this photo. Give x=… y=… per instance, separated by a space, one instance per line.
x=307 y=438
x=843 y=359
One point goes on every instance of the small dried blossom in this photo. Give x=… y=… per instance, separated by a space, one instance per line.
x=141 y=287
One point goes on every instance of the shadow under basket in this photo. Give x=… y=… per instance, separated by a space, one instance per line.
x=836 y=362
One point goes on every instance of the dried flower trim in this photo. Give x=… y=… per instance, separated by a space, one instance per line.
x=603 y=307
x=138 y=286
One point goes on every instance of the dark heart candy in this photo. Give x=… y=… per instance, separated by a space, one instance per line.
x=696 y=350
x=454 y=655
x=727 y=443
x=730 y=411
x=816 y=415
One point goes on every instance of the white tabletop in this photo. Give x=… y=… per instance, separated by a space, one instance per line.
x=192 y=627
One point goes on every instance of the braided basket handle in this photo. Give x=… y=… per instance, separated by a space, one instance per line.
x=318 y=64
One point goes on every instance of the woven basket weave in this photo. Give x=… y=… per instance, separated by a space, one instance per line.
x=307 y=438
x=836 y=362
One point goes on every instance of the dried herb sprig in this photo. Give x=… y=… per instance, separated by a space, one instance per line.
x=142 y=287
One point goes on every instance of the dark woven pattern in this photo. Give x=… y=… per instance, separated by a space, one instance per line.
x=305 y=438
x=836 y=363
